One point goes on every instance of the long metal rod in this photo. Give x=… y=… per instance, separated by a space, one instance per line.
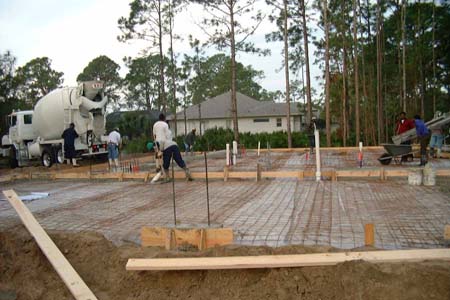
x=207 y=188
x=173 y=196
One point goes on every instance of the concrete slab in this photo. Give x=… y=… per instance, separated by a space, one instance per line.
x=270 y=212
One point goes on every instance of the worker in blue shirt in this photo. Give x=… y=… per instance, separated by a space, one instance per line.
x=423 y=134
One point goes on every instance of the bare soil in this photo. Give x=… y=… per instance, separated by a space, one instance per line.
x=25 y=274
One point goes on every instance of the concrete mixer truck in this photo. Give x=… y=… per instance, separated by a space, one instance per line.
x=36 y=134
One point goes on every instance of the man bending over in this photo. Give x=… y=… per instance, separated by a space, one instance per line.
x=163 y=136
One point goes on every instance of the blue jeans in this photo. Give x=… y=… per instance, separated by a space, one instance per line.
x=167 y=155
x=113 y=151
x=436 y=141
x=188 y=148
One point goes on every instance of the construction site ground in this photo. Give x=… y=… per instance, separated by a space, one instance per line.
x=97 y=223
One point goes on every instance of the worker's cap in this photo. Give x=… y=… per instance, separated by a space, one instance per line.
x=116 y=129
x=149 y=146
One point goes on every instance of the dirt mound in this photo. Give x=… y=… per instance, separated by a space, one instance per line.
x=27 y=274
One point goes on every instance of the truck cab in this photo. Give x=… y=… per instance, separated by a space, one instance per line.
x=21 y=131
x=20 y=128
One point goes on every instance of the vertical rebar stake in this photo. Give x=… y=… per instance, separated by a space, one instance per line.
x=207 y=188
x=173 y=196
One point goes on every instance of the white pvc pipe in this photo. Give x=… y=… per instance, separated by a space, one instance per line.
x=228 y=155
x=259 y=147
x=360 y=146
x=317 y=140
x=234 y=152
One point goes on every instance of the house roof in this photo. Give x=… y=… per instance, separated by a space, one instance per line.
x=219 y=107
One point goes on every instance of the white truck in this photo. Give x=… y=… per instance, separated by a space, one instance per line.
x=36 y=134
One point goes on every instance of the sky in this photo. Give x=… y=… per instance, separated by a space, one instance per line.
x=74 y=32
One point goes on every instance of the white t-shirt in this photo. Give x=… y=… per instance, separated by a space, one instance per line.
x=163 y=135
x=114 y=137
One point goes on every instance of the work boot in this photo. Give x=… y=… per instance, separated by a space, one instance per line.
x=166 y=178
x=438 y=153
x=68 y=161
x=188 y=174
x=74 y=162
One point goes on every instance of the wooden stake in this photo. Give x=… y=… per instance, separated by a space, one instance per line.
x=225 y=173
x=447 y=233
x=369 y=234
x=258 y=172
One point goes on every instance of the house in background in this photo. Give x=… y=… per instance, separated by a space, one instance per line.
x=253 y=116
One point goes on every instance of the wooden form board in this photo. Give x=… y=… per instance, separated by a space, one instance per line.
x=284 y=261
x=61 y=265
x=381 y=173
x=171 y=238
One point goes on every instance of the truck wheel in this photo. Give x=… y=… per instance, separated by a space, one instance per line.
x=46 y=158
x=59 y=155
x=13 y=163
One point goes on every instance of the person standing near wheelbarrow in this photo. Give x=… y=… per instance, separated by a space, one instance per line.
x=403 y=125
x=423 y=134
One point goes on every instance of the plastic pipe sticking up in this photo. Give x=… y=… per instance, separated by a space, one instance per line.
x=259 y=147
x=228 y=155
x=317 y=140
x=234 y=152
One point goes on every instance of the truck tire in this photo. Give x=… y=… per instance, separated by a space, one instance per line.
x=59 y=155
x=47 y=158
x=13 y=163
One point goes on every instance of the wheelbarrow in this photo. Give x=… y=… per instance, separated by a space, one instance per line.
x=398 y=153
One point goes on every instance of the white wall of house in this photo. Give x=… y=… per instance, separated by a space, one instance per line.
x=253 y=125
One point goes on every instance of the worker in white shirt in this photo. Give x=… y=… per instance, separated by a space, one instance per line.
x=114 y=141
x=163 y=136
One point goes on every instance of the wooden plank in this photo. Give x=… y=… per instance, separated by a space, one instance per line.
x=278 y=174
x=153 y=236
x=369 y=234
x=105 y=176
x=167 y=237
x=443 y=172
x=187 y=236
x=72 y=176
x=285 y=261
x=241 y=175
x=358 y=173
x=396 y=173
x=61 y=265
x=219 y=237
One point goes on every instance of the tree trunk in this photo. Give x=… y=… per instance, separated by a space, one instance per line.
x=172 y=60
x=308 y=76
x=233 y=74
x=403 y=15
x=327 y=72
x=421 y=67
x=379 y=75
x=200 y=118
x=365 y=101
x=344 y=91
x=355 y=62
x=286 y=72
x=434 y=57
x=161 y=63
